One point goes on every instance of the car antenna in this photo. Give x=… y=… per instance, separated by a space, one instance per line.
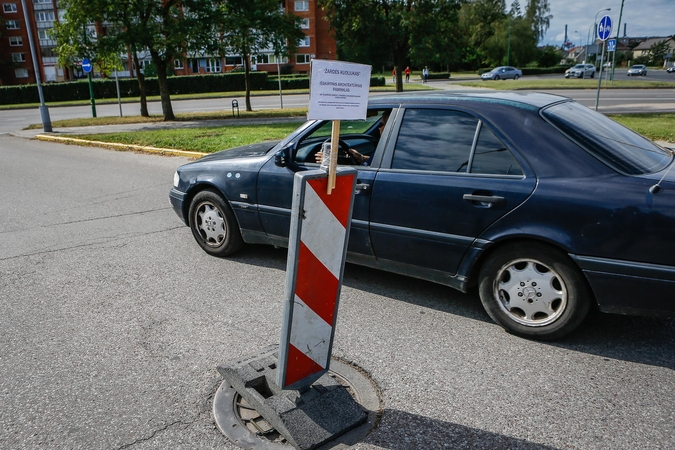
x=657 y=187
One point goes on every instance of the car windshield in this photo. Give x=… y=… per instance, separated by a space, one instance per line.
x=636 y=67
x=615 y=145
x=579 y=66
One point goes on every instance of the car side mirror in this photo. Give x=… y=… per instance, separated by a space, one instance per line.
x=281 y=158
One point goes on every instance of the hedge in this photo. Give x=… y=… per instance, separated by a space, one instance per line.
x=190 y=84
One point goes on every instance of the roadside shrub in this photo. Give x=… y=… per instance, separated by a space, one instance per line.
x=189 y=84
x=439 y=75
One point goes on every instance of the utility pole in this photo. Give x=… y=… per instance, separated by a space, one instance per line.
x=618 y=29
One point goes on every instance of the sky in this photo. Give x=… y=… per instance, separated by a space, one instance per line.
x=643 y=18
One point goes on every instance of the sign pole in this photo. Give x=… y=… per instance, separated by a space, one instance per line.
x=597 y=96
x=334 y=144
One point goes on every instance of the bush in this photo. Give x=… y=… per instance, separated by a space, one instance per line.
x=189 y=84
x=439 y=75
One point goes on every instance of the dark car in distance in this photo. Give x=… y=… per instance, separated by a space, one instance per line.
x=547 y=207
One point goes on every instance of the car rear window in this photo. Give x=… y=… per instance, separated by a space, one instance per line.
x=615 y=145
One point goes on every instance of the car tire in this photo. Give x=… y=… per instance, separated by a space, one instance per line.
x=593 y=75
x=496 y=77
x=213 y=224
x=515 y=77
x=551 y=296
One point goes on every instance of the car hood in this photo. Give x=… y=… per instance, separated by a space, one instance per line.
x=245 y=151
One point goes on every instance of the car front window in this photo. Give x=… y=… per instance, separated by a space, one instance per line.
x=615 y=145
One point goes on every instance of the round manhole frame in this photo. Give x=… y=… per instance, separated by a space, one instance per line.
x=362 y=388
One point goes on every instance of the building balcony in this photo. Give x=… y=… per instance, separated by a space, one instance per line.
x=43 y=6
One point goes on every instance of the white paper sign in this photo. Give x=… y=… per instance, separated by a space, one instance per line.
x=338 y=90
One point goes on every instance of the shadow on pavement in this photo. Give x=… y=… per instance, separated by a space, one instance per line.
x=400 y=430
x=643 y=340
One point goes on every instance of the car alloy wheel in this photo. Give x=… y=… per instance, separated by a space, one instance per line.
x=213 y=224
x=534 y=291
x=515 y=77
x=496 y=77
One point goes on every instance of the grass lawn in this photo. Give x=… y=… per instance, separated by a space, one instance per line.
x=654 y=126
x=205 y=139
x=226 y=114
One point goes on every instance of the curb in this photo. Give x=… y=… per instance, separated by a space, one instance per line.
x=120 y=147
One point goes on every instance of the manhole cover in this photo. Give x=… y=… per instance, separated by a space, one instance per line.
x=245 y=427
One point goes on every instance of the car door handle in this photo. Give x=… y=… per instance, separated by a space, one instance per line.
x=483 y=200
x=362 y=186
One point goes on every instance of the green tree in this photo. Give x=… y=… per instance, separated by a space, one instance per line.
x=250 y=27
x=424 y=31
x=522 y=48
x=478 y=20
x=167 y=29
x=538 y=15
x=658 y=51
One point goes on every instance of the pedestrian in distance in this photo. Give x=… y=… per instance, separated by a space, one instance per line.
x=393 y=75
x=425 y=74
x=407 y=74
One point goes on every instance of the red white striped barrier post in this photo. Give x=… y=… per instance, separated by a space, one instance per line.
x=317 y=249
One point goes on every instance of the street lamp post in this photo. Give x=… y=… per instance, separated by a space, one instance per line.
x=44 y=111
x=583 y=73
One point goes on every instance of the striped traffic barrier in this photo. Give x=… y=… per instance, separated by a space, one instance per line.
x=317 y=249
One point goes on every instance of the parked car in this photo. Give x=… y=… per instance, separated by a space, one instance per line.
x=581 y=71
x=502 y=73
x=671 y=69
x=547 y=207
x=637 y=69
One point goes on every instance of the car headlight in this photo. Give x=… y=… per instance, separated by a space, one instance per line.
x=176 y=179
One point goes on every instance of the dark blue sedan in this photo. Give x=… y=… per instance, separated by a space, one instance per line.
x=548 y=207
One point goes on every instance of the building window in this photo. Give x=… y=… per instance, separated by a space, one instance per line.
x=302 y=6
x=234 y=61
x=43 y=2
x=302 y=59
x=305 y=23
x=12 y=24
x=9 y=7
x=213 y=66
x=178 y=64
x=44 y=16
x=304 y=42
x=261 y=59
x=19 y=57
x=15 y=41
x=281 y=60
x=21 y=73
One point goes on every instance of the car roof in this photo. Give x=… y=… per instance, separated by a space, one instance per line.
x=532 y=99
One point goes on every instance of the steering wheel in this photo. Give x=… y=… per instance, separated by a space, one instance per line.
x=344 y=157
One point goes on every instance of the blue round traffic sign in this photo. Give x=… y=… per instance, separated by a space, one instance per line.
x=86 y=65
x=604 y=28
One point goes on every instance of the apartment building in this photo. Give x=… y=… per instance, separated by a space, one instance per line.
x=14 y=43
x=14 y=46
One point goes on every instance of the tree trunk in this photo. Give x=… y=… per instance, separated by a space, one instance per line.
x=247 y=81
x=164 y=92
x=141 y=86
x=399 y=60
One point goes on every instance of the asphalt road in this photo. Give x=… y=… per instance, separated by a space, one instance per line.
x=611 y=101
x=112 y=323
